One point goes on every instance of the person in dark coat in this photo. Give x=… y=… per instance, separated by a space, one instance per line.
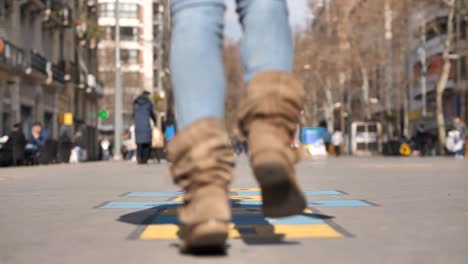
x=65 y=146
x=13 y=150
x=142 y=113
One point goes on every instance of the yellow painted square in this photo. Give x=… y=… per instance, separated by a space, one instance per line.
x=153 y=232
x=245 y=198
x=307 y=231
x=162 y=232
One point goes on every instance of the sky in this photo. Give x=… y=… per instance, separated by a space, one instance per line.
x=298 y=13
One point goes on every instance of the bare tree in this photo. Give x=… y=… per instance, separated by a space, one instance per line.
x=445 y=72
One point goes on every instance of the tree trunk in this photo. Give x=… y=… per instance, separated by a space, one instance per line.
x=314 y=106
x=445 y=75
x=406 y=133
x=365 y=92
x=388 y=15
x=329 y=113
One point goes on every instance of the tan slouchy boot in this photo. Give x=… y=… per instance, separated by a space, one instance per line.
x=268 y=118
x=202 y=162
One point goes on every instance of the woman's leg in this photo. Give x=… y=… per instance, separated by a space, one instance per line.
x=196 y=63
x=200 y=153
x=270 y=112
x=267 y=42
x=139 y=153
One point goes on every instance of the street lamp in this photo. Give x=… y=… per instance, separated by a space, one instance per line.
x=118 y=122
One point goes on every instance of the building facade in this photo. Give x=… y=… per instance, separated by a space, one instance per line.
x=48 y=67
x=428 y=31
x=142 y=30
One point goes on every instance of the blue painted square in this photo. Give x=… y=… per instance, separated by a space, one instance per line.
x=139 y=205
x=154 y=194
x=296 y=220
x=166 y=219
x=243 y=204
x=316 y=203
x=338 y=203
x=250 y=219
x=326 y=192
x=246 y=230
x=239 y=193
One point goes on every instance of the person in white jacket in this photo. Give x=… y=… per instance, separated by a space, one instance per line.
x=337 y=140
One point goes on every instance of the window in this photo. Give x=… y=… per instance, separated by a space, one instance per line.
x=132 y=80
x=26 y=120
x=126 y=33
x=128 y=10
x=49 y=121
x=125 y=10
x=129 y=33
x=6 y=122
x=155 y=55
x=463 y=29
x=463 y=68
x=106 y=10
x=129 y=56
x=436 y=28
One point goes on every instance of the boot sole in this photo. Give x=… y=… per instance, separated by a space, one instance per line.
x=205 y=237
x=281 y=197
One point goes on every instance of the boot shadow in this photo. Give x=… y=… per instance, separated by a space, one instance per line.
x=252 y=227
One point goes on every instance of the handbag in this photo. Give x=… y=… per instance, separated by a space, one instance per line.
x=157 y=140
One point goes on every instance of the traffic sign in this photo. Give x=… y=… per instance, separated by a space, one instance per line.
x=104 y=114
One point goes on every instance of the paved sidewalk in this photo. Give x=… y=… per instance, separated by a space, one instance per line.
x=379 y=210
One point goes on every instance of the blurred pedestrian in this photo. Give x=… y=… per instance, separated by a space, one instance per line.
x=65 y=146
x=169 y=127
x=39 y=135
x=422 y=140
x=201 y=152
x=129 y=145
x=36 y=143
x=460 y=126
x=79 y=152
x=12 y=152
x=105 y=148
x=337 y=141
x=142 y=114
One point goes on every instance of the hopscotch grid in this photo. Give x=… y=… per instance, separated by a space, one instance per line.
x=151 y=219
x=334 y=225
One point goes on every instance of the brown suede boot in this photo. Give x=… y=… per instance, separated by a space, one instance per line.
x=268 y=118
x=202 y=162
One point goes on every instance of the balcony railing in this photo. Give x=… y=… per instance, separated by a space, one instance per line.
x=11 y=56
x=72 y=73
x=38 y=62
x=58 y=74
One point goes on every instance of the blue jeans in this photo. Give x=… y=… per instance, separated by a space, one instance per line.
x=196 y=54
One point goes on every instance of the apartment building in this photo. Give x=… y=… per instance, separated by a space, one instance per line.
x=48 y=66
x=142 y=27
x=428 y=33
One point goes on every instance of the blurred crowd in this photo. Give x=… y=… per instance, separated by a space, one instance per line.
x=16 y=149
